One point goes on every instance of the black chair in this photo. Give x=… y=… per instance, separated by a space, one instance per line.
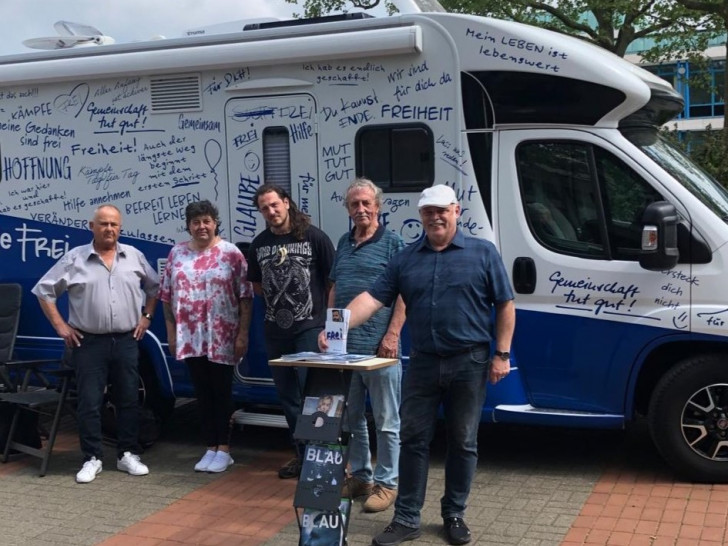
x=28 y=385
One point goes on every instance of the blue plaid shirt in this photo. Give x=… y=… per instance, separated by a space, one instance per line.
x=449 y=294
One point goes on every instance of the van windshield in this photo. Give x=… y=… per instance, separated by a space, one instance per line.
x=692 y=177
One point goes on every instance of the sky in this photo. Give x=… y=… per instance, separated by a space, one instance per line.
x=128 y=20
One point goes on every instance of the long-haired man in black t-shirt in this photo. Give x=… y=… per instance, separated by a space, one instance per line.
x=288 y=264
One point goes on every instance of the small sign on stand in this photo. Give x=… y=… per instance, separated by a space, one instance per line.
x=320 y=418
x=322 y=476
x=325 y=527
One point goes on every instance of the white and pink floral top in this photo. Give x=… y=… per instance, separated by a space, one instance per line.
x=204 y=289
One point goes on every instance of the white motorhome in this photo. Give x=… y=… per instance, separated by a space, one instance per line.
x=616 y=243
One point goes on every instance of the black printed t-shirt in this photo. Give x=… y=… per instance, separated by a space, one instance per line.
x=293 y=275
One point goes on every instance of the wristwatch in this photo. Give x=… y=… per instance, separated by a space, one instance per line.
x=503 y=355
x=147 y=316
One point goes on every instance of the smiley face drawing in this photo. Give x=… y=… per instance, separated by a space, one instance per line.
x=251 y=161
x=411 y=231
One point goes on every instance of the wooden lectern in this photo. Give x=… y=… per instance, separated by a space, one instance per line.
x=321 y=512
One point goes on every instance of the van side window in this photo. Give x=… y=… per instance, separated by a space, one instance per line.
x=277 y=157
x=396 y=157
x=581 y=200
x=625 y=196
x=559 y=195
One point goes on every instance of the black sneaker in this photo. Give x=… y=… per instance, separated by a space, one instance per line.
x=396 y=533
x=292 y=469
x=456 y=530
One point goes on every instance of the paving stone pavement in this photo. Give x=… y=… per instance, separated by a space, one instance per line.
x=532 y=488
x=55 y=510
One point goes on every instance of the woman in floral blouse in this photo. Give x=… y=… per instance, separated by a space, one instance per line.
x=207 y=307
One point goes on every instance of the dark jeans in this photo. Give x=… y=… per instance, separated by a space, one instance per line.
x=99 y=360
x=213 y=384
x=458 y=382
x=289 y=381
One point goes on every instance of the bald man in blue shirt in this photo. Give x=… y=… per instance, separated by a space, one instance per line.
x=450 y=284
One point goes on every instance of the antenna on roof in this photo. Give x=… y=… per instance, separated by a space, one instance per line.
x=70 y=35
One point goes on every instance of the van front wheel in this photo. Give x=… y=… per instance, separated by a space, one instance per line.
x=688 y=418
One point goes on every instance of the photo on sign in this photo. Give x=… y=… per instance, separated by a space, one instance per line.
x=329 y=404
x=324 y=528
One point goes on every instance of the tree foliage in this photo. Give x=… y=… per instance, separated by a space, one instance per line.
x=317 y=8
x=670 y=26
x=711 y=153
x=674 y=28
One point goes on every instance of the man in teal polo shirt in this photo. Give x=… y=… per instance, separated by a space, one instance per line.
x=361 y=256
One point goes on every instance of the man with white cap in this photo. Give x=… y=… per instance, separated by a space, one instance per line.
x=450 y=284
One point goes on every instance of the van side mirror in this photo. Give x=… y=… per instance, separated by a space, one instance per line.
x=659 y=237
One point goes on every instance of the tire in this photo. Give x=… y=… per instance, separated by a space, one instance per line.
x=688 y=418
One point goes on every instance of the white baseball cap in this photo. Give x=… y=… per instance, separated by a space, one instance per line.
x=437 y=196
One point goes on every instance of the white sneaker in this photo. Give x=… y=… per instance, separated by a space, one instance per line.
x=221 y=462
x=88 y=471
x=203 y=463
x=132 y=464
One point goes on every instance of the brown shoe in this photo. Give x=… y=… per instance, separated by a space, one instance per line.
x=354 y=487
x=292 y=469
x=380 y=499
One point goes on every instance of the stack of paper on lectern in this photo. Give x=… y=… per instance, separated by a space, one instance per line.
x=310 y=356
x=337 y=328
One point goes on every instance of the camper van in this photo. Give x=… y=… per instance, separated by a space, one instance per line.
x=614 y=241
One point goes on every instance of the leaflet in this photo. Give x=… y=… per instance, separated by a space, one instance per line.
x=337 y=328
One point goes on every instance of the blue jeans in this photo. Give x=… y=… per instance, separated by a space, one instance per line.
x=458 y=382
x=289 y=381
x=384 y=386
x=103 y=359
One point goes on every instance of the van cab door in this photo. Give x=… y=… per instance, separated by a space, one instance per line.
x=270 y=139
x=569 y=207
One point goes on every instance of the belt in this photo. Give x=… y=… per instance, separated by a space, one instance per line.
x=109 y=334
x=459 y=352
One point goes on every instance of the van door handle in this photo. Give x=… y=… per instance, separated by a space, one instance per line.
x=524 y=275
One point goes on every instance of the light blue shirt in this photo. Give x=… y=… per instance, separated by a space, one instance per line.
x=101 y=300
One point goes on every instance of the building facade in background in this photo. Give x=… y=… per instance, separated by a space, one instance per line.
x=704 y=104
